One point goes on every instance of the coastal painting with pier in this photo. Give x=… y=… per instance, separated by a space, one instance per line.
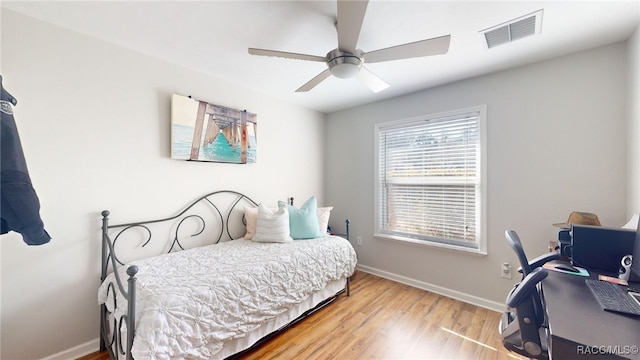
x=204 y=132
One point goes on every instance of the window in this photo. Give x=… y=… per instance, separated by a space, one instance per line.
x=429 y=179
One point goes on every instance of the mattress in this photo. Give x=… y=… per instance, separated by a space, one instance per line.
x=195 y=303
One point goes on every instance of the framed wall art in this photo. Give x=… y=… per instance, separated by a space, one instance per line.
x=205 y=132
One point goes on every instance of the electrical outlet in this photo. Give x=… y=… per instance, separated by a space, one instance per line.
x=505 y=270
x=359 y=240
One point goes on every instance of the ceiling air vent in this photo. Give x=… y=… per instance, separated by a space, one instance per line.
x=513 y=30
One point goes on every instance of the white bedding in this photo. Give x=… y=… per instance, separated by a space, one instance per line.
x=190 y=303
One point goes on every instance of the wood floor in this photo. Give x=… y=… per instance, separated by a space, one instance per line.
x=383 y=319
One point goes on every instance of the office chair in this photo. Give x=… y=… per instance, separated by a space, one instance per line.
x=520 y=327
x=523 y=327
x=527 y=266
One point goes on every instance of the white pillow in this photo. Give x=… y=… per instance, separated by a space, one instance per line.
x=323 y=218
x=272 y=226
x=251 y=217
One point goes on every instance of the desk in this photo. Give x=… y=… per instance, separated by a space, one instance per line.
x=578 y=325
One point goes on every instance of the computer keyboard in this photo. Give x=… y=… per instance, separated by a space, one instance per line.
x=612 y=298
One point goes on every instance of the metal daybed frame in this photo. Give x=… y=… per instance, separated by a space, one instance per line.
x=226 y=211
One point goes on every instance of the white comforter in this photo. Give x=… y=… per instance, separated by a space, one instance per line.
x=190 y=302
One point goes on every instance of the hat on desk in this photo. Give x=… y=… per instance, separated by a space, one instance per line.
x=580 y=218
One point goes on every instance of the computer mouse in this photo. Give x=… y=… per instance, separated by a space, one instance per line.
x=566 y=267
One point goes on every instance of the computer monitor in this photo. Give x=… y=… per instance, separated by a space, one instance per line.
x=601 y=248
x=634 y=276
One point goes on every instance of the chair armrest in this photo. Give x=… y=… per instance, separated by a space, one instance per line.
x=526 y=286
x=541 y=260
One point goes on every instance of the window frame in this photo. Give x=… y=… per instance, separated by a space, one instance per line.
x=481 y=238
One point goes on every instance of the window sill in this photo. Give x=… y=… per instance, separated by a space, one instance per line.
x=448 y=247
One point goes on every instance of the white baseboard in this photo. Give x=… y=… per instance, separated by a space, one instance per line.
x=76 y=351
x=470 y=299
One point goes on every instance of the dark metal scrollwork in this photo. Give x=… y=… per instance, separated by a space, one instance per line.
x=176 y=239
x=125 y=229
x=123 y=319
x=106 y=334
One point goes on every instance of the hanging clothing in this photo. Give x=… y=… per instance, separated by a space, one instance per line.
x=20 y=207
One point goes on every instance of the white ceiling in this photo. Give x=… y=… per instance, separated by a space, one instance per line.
x=212 y=37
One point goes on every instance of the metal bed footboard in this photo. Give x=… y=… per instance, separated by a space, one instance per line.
x=111 y=339
x=227 y=211
x=216 y=212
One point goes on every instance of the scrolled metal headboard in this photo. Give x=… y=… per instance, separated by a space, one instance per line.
x=223 y=217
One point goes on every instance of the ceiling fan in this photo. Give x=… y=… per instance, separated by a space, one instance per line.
x=346 y=60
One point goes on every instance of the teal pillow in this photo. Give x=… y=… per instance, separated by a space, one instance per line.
x=303 y=222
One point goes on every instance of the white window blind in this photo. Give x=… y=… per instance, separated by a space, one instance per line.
x=429 y=179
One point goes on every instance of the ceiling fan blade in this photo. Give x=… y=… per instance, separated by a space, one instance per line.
x=372 y=81
x=315 y=81
x=288 y=55
x=435 y=46
x=350 y=18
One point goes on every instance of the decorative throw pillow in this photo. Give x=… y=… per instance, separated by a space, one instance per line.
x=303 y=222
x=251 y=218
x=272 y=226
x=323 y=218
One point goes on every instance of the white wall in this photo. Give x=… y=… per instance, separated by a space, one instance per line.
x=94 y=123
x=633 y=152
x=556 y=143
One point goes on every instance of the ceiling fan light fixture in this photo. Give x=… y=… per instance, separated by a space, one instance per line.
x=343 y=65
x=345 y=70
x=346 y=61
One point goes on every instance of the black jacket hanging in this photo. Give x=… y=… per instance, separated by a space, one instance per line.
x=20 y=207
